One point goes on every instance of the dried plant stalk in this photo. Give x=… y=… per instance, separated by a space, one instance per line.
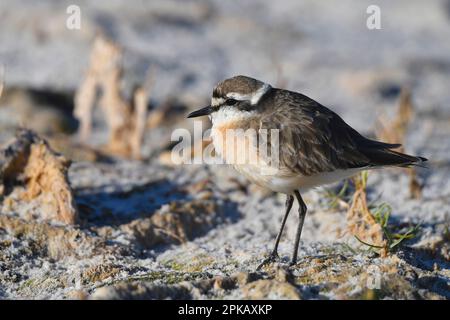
x=84 y=102
x=395 y=132
x=2 y=79
x=360 y=221
x=155 y=118
x=102 y=74
x=105 y=75
x=415 y=188
x=140 y=121
x=197 y=151
x=30 y=160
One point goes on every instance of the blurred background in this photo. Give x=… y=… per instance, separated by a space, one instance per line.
x=323 y=50
x=162 y=59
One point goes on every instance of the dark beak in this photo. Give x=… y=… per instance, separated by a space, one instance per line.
x=201 y=112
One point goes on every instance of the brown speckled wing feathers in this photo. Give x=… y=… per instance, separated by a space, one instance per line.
x=314 y=139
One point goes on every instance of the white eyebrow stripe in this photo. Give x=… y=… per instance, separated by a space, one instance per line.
x=217 y=101
x=239 y=96
x=260 y=93
x=254 y=97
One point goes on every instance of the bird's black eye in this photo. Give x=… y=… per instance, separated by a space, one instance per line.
x=230 y=102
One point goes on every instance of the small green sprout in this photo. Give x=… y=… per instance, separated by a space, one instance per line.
x=334 y=198
x=381 y=214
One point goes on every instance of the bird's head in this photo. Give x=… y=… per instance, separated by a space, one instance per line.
x=233 y=99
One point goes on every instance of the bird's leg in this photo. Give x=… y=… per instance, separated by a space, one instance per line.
x=302 y=213
x=288 y=205
x=274 y=254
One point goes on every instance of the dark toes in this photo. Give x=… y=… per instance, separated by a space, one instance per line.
x=271 y=258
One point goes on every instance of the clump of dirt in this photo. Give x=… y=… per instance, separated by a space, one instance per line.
x=280 y=285
x=51 y=241
x=30 y=163
x=176 y=222
x=100 y=272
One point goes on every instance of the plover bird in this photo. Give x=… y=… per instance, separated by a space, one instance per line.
x=316 y=147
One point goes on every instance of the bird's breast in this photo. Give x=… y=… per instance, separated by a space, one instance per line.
x=234 y=144
x=240 y=149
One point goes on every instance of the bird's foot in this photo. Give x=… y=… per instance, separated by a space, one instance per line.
x=292 y=263
x=270 y=259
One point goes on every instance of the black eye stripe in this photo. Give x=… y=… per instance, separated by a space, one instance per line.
x=246 y=107
x=230 y=101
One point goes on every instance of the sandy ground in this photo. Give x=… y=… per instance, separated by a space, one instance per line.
x=324 y=51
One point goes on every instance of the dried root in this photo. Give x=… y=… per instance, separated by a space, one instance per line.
x=415 y=187
x=30 y=162
x=395 y=132
x=198 y=151
x=370 y=223
x=360 y=221
x=2 y=77
x=126 y=120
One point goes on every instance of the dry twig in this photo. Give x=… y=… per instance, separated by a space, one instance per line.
x=126 y=124
x=395 y=132
x=360 y=221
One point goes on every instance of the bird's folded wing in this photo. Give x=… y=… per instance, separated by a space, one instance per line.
x=313 y=139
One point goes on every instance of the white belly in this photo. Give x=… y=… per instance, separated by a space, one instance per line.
x=287 y=182
x=276 y=179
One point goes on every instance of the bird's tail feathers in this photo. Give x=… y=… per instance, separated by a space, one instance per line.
x=387 y=157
